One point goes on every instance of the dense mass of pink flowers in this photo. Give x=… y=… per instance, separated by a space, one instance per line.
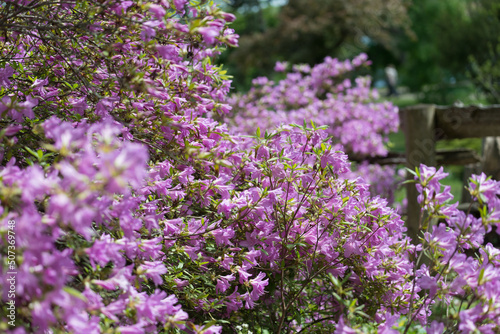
x=325 y=94
x=128 y=210
x=329 y=95
x=461 y=273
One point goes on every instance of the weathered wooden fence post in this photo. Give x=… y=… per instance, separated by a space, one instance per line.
x=419 y=127
x=425 y=124
x=491 y=157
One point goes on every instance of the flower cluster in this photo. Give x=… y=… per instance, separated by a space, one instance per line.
x=273 y=224
x=60 y=215
x=460 y=274
x=327 y=94
x=111 y=60
x=92 y=93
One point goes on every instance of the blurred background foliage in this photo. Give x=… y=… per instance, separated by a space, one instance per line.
x=444 y=51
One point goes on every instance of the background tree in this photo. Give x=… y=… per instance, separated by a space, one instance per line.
x=305 y=31
x=484 y=66
x=434 y=44
x=451 y=41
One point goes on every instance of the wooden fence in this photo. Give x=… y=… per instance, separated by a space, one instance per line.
x=424 y=125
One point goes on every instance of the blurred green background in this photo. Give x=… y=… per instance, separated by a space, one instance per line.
x=445 y=52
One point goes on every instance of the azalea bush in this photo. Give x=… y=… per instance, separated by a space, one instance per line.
x=458 y=273
x=127 y=208
x=330 y=93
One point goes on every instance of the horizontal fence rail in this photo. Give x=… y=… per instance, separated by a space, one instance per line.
x=425 y=124
x=467 y=122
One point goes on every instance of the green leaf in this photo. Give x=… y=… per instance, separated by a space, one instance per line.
x=74 y=293
x=30 y=151
x=224 y=163
x=209 y=324
x=411 y=171
x=481 y=275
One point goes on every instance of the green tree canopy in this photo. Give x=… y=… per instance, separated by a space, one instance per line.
x=304 y=31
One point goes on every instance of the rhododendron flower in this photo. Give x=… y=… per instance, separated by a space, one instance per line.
x=209 y=33
x=133 y=329
x=122 y=6
x=223 y=283
x=154 y=270
x=258 y=283
x=228 y=17
x=23 y=109
x=337 y=160
x=150 y=248
x=5 y=74
x=342 y=328
x=79 y=105
x=179 y=5
x=80 y=323
x=168 y=52
x=467 y=321
x=427 y=282
x=204 y=330
x=121 y=278
x=226 y=206
x=11 y=130
x=105 y=250
x=483 y=186
x=233 y=302
x=40 y=83
x=149 y=30
x=181 y=283
x=429 y=177
x=223 y=236
x=95 y=301
x=436 y=328
x=386 y=327
x=157 y=10
x=280 y=66
x=244 y=276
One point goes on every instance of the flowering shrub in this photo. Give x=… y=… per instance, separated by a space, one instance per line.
x=328 y=94
x=125 y=209
x=460 y=274
x=325 y=94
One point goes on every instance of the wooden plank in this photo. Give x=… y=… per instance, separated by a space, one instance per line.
x=491 y=157
x=456 y=157
x=467 y=122
x=418 y=124
x=468 y=207
x=443 y=157
x=392 y=158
